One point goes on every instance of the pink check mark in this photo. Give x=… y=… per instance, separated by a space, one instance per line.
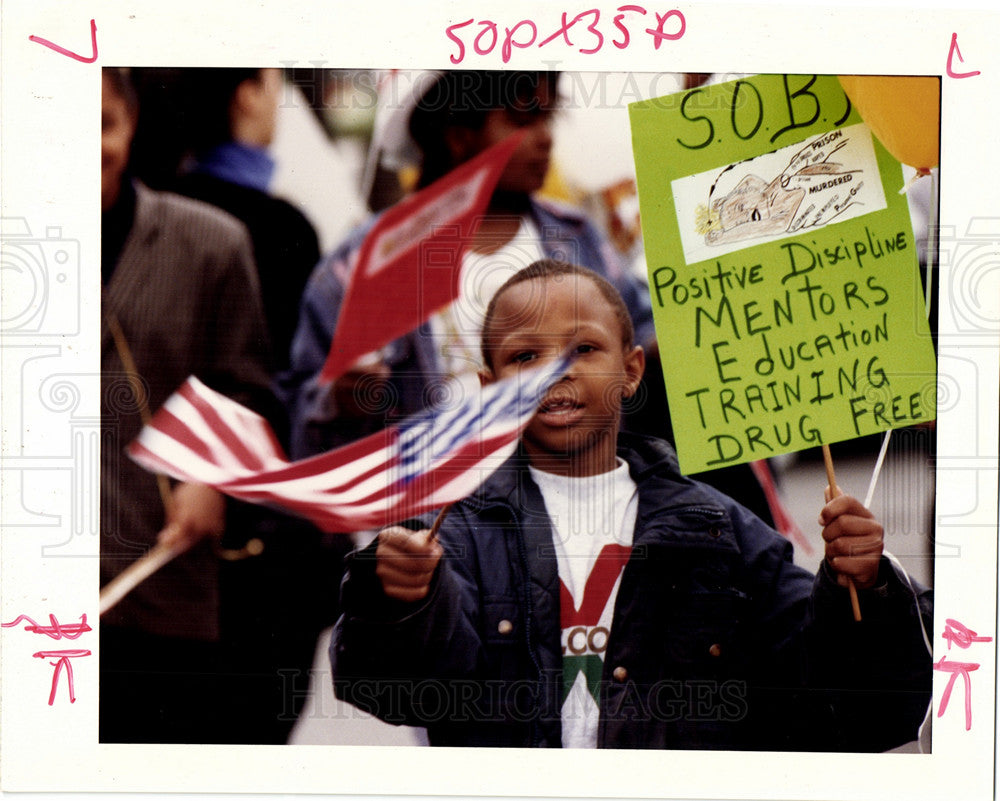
x=70 y=53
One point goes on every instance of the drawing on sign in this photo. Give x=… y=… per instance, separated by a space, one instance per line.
x=755 y=207
x=830 y=178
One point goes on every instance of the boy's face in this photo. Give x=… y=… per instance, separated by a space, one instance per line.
x=576 y=428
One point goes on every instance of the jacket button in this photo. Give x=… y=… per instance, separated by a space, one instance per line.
x=505 y=627
x=714 y=532
x=619 y=674
x=715 y=649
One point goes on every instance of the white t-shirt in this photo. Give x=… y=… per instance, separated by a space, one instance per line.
x=593 y=519
x=457 y=329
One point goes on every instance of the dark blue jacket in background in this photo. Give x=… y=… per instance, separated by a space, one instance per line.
x=717 y=642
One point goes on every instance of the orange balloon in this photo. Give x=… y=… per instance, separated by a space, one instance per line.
x=904 y=112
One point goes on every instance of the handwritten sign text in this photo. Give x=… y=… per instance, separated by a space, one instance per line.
x=782 y=270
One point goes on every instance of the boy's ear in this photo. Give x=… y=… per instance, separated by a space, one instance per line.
x=635 y=366
x=486 y=377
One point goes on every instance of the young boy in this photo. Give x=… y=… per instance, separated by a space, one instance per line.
x=588 y=594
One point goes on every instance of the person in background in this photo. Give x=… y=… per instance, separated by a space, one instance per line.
x=180 y=297
x=279 y=573
x=216 y=125
x=233 y=114
x=448 y=121
x=454 y=118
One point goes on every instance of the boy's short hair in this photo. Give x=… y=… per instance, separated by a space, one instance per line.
x=549 y=268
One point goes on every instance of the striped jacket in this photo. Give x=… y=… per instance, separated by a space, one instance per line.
x=185 y=293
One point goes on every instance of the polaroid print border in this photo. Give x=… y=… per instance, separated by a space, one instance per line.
x=49 y=545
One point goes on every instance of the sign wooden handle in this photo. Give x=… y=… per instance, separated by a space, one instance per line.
x=835 y=491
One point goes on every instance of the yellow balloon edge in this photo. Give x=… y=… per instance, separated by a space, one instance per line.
x=908 y=101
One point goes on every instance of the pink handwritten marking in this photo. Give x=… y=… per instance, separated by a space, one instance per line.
x=961 y=635
x=56 y=631
x=661 y=19
x=563 y=31
x=591 y=28
x=618 y=24
x=509 y=41
x=63 y=658
x=954 y=51
x=486 y=41
x=461 y=45
x=70 y=53
x=956 y=668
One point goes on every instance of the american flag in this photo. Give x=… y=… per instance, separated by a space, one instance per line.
x=428 y=460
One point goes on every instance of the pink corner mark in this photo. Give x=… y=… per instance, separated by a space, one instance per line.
x=956 y=669
x=56 y=631
x=70 y=53
x=961 y=635
x=62 y=658
x=954 y=51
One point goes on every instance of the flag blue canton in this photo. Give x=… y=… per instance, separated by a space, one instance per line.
x=433 y=434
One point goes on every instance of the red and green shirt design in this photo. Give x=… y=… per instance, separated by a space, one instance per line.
x=585 y=628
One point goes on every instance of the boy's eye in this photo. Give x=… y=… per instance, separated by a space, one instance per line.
x=583 y=347
x=522 y=356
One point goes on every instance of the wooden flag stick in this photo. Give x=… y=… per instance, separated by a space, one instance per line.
x=834 y=492
x=137 y=572
x=438 y=521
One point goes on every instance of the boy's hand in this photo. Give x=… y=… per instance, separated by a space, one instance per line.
x=406 y=561
x=196 y=511
x=853 y=540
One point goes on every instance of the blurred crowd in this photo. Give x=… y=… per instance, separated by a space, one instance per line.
x=234 y=202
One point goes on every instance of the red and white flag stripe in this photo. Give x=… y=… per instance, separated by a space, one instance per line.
x=435 y=457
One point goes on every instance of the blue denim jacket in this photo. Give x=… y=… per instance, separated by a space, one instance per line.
x=416 y=374
x=718 y=641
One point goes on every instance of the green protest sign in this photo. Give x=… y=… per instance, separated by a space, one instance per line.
x=782 y=270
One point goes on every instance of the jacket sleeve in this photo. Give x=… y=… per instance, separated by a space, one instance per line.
x=317 y=424
x=635 y=293
x=309 y=403
x=880 y=666
x=631 y=287
x=404 y=662
x=237 y=358
x=832 y=683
